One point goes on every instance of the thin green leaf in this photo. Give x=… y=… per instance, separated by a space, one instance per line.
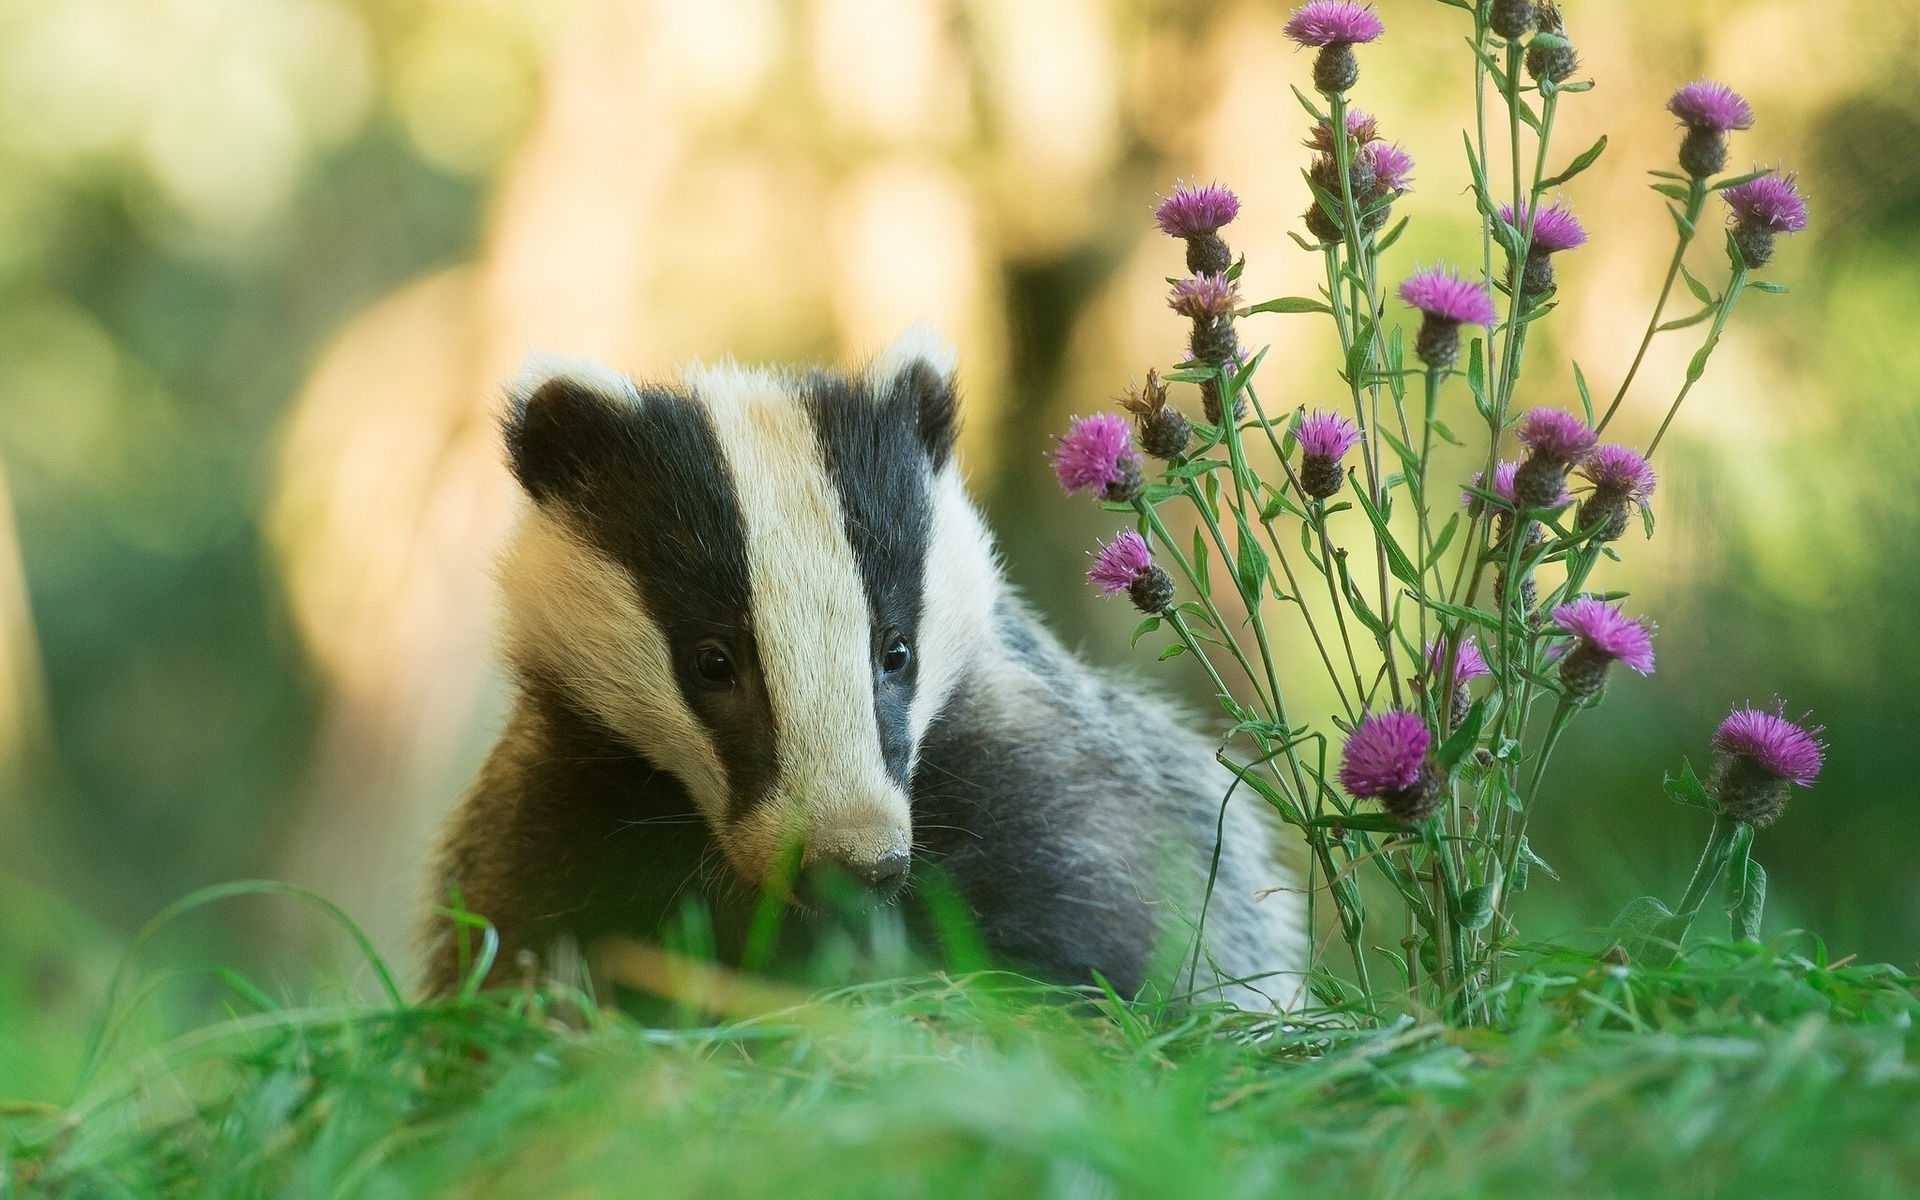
x=1365 y=823
x=1745 y=920
x=1683 y=322
x=1586 y=397
x=1476 y=906
x=1584 y=160
x=1458 y=746
x=1737 y=180
x=1400 y=226
x=1289 y=304
x=1251 y=567
x=1397 y=560
x=1687 y=789
x=1698 y=289
x=1445 y=539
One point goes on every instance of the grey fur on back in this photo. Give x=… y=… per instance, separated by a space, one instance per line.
x=1084 y=817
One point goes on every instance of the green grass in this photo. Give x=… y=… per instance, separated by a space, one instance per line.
x=1743 y=1071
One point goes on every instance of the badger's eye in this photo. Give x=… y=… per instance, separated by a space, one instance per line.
x=898 y=655
x=714 y=664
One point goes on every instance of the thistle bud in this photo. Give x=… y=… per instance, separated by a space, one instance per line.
x=1164 y=431
x=1550 y=55
x=1511 y=19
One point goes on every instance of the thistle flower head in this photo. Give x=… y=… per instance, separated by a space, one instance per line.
x=1164 y=431
x=1770 y=202
x=1361 y=127
x=1333 y=22
x=1714 y=107
x=1095 y=454
x=1116 y=563
x=1204 y=297
x=1621 y=471
x=1554 y=230
x=1444 y=296
x=1385 y=753
x=1326 y=435
x=1556 y=434
x=1390 y=163
x=1502 y=484
x=1468 y=663
x=1607 y=633
x=1195 y=210
x=1784 y=749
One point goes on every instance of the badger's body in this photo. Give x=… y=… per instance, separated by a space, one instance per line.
x=754 y=613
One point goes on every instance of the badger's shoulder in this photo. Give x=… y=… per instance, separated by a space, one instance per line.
x=1079 y=814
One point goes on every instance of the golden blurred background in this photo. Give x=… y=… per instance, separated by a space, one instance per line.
x=265 y=265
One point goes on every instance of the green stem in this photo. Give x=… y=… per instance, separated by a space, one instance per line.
x=1707 y=870
x=1696 y=201
x=1698 y=367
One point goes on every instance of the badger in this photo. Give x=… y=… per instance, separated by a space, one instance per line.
x=753 y=619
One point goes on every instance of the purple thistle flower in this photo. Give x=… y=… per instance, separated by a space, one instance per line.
x=1606 y=636
x=1324 y=439
x=1204 y=297
x=1333 y=22
x=1762 y=208
x=1096 y=455
x=1503 y=474
x=1361 y=127
x=1714 y=107
x=1442 y=295
x=1556 y=434
x=1324 y=434
x=1126 y=565
x=1392 y=166
x=1118 y=561
x=1468 y=663
x=1445 y=301
x=1385 y=753
x=1620 y=469
x=1761 y=755
x=1779 y=747
x=1195 y=210
x=1554 y=230
x=1770 y=202
x=1621 y=478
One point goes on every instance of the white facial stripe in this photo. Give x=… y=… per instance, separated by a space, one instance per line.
x=962 y=587
x=576 y=616
x=811 y=627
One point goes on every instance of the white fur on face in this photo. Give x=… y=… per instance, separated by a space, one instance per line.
x=962 y=587
x=573 y=615
x=812 y=632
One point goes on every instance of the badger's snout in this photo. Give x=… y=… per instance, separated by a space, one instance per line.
x=855 y=869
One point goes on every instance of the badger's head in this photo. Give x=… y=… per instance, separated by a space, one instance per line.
x=767 y=583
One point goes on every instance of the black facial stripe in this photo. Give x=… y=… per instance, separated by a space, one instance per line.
x=878 y=462
x=648 y=485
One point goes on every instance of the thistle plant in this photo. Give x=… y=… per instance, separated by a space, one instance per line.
x=1458 y=643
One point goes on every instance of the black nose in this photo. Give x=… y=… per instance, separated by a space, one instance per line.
x=890 y=869
x=852 y=883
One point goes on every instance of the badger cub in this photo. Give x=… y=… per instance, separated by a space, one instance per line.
x=753 y=614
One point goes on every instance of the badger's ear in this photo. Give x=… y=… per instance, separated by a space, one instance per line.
x=916 y=374
x=561 y=416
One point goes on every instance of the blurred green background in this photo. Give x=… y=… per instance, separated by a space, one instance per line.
x=264 y=265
